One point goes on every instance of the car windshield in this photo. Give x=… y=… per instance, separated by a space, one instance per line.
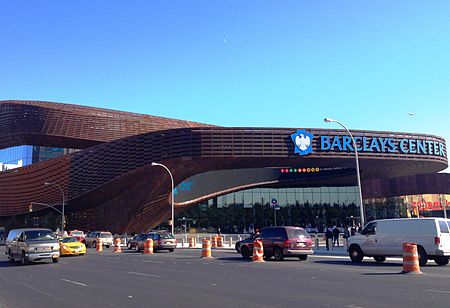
x=105 y=235
x=40 y=235
x=166 y=236
x=77 y=233
x=69 y=240
x=297 y=233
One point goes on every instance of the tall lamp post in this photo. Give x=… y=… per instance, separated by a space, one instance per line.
x=361 y=205
x=172 y=192
x=63 y=220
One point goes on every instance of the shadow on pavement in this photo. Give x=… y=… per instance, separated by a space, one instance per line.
x=361 y=264
x=6 y=263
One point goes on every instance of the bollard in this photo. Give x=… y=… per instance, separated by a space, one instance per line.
x=99 y=245
x=317 y=243
x=214 y=242
x=258 y=251
x=117 y=247
x=206 y=249
x=410 y=259
x=231 y=241
x=182 y=241
x=219 y=241
x=148 y=246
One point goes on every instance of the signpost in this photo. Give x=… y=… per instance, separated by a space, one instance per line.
x=274 y=205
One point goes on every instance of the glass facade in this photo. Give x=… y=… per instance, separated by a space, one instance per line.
x=314 y=207
x=23 y=155
x=259 y=207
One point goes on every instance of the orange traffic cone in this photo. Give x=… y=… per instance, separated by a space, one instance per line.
x=258 y=251
x=410 y=259
x=206 y=249
x=219 y=241
x=99 y=245
x=214 y=242
x=117 y=247
x=191 y=242
x=148 y=246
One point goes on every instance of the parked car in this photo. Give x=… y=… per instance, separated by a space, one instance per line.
x=79 y=235
x=280 y=242
x=70 y=245
x=132 y=242
x=91 y=238
x=32 y=244
x=384 y=238
x=161 y=241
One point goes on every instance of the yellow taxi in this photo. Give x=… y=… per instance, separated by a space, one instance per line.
x=69 y=245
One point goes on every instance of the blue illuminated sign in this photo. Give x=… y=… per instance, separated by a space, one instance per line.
x=303 y=145
x=382 y=145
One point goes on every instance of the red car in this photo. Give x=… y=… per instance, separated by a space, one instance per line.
x=280 y=242
x=79 y=235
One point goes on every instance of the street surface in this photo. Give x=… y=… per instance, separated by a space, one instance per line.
x=183 y=279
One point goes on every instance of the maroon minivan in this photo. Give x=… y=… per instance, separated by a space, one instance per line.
x=280 y=242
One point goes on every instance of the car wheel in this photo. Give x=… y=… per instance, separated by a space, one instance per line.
x=441 y=260
x=171 y=249
x=94 y=244
x=379 y=259
x=236 y=247
x=138 y=249
x=423 y=257
x=303 y=258
x=55 y=260
x=129 y=245
x=278 y=254
x=24 y=259
x=107 y=246
x=356 y=254
x=245 y=252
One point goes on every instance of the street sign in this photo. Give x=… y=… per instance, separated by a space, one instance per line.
x=274 y=202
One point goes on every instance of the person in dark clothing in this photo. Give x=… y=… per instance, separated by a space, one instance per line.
x=328 y=237
x=335 y=236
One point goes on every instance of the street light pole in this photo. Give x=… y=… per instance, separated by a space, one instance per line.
x=361 y=205
x=172 y=201
x=63 y=220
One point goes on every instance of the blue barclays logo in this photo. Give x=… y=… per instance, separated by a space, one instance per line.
x=302 y=142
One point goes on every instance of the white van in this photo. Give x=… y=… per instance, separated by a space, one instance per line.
x=384 y=238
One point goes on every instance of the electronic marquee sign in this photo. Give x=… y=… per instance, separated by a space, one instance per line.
x=303 y=144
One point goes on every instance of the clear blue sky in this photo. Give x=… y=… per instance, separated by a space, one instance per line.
x=236 y=63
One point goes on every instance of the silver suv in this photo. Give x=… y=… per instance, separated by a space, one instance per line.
x=32 y=244
x=91 y=239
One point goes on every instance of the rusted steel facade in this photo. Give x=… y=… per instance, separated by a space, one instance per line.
x=110 y=183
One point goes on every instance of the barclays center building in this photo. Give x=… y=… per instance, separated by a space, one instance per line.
x=97 y=164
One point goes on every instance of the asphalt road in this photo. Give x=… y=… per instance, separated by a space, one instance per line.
x=183 y=279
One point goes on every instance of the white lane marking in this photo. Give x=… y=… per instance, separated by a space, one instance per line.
x=150 y=261
x=352 y=306
x=74 y=282
x=213 y=284
x=143 y=274
x=437 y=291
